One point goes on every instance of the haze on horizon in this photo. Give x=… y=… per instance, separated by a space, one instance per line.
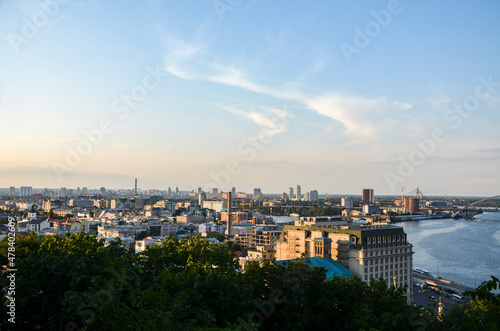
x=335 y=96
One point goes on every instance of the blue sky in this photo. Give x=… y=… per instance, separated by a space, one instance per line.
x=333 y=95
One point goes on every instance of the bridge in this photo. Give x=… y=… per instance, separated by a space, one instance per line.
x=468 y=212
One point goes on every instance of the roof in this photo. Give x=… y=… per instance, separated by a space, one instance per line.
x=333 y=268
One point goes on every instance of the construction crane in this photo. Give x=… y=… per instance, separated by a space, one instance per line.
x=243 y=204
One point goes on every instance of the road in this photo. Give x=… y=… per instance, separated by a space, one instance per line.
x=423 y=298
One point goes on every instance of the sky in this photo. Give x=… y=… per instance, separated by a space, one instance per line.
x=331 y=95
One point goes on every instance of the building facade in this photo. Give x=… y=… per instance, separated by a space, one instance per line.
x=368 y=251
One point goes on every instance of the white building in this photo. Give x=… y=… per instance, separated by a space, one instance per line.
x=141 y=245
x=346 y=202
x=26 y=191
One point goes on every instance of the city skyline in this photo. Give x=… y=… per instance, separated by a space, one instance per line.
x=337 y=97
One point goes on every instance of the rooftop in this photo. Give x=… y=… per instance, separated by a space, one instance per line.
x=333 y=268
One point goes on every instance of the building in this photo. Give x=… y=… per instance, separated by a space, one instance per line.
x=290 y=193
x=266 y=235
x=261 y=253
x=368 y=251
x=164 y=204
x=169 y=228
x=371 y=209
x=367 y=195
x=82 y=203
x=346 y=202
x=236 y=217
x=314 y=196
x=193 y=219
x=211 y=227
x=307 y=196
x=321 y=221
x=26 y=191
x=333 y=268
x=33 y=225
x=218 y=206
x=201 y=197
x=141 y=245
x=299 y=195
x=12 y=191
x=412 y=204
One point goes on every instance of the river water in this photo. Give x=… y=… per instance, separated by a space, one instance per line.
x=465 y=251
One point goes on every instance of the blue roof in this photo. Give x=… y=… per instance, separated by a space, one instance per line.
x=333 y=268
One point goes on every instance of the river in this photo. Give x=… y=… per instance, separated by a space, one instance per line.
x=465 y=251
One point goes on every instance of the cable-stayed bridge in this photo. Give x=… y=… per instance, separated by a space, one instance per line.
x=470 y=211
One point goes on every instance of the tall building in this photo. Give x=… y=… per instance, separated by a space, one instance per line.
x=169 y=192
x=368 y=251
x=298 y=193
x=284 y=196
x=290 y=193
x=233 y=192
x=367 y=195
x=412 y=204
x=307 y=196
x=26 y=191
x=257 y=192
x=201 y=197
x=63 y=192
x=229 y=220
x=12 y=191
x=314 y=196
x=346 y=202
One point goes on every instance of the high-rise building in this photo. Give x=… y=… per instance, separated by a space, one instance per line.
x=314 y=196
x=346 y=202
x=169 y=192
x=201 y=197
x=229 y=221
x=284 y=196
x=256 y=192
x=26 y=191
x=298 y=193
x=412 y=204
x=13 y=191
x=233 y=192
x=103 y=190
x=63 y=192
x=367 y=195
x=290 y=193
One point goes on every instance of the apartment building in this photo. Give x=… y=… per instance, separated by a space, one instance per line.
x=369 y=251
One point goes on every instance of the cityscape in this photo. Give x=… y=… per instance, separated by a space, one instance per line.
x=249 y=165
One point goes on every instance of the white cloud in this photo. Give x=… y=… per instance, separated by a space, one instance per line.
x=362 y=117
x=273 y=120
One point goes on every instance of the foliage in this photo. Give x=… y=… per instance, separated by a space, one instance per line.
x=77 y=282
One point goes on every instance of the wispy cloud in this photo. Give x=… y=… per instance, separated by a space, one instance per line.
x=272 y=119
x=360 y=116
